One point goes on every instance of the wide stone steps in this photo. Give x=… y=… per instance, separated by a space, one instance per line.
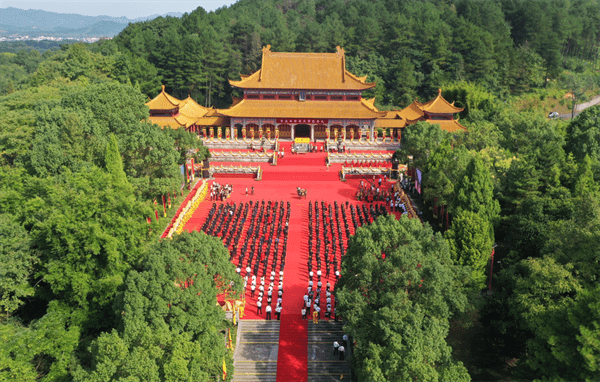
x=255 y=357
x=323 y=366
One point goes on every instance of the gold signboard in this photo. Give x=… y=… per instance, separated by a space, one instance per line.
x=302 y=140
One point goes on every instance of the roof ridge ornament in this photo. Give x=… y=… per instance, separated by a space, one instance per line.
x=440 y=92
x=163 y=88
x=265 y=50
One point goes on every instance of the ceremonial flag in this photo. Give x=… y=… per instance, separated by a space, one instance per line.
x=224 y=369
x=193 y=170
x=156 y=213
x=169 y=200
x=164 y=206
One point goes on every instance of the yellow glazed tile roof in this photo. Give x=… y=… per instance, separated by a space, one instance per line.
x=163 y=101
x=166 y=122
x=390 y=123
x=439 y=105
x=191 y=109
x=450 y=125
x=317 y=71
x=296 y=109
x=213 y=121
x=412 y=112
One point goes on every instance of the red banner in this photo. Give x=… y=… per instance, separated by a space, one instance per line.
x=318 y=121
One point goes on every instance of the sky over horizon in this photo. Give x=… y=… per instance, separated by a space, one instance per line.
x=117 y=8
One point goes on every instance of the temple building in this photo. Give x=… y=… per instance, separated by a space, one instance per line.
x=168 y=111
x=301 y=95
x=437 y=111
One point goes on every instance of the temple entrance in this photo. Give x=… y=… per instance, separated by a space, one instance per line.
x=302 y=131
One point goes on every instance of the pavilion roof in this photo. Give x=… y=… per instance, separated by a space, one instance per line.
x=390 y=123
x=163 y=101
x=166 y=122
x=315 y=71
x=450 y=125
x=250 y=108
x=439 y=105
x=412 y=112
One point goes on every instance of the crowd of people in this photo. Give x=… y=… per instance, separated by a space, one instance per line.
x=220 y=192
x=257 y=253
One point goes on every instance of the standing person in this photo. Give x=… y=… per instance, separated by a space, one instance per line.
x=278 y=312
x=252 y=190
x=269 y=312
x=303 y=313
x=315 y=317
x=258 y=307
x=336 y=345
x=342 y=350
x=252 y=288
x=345 y=339
x=335 y=314
x=246 y=191
x=318 y=310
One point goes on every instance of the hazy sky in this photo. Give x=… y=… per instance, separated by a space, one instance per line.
x=129 y=9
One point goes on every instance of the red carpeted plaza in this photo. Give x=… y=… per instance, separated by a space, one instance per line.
x=333 y=210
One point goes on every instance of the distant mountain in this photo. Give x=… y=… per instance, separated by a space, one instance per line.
x=34 y=23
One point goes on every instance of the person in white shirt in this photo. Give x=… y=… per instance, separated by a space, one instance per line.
x=342 y=349
x=268 y=312
x=278 y=312
x=258 y=307
x=336 y=346
x=304 y=313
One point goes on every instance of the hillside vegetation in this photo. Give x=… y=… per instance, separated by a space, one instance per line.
x=89 y=293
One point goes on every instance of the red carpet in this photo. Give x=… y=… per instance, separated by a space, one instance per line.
x=292 y=358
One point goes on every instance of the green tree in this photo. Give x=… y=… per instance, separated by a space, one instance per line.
x=43 y=351
x=400 y=321
x=420 y=141
x=583 y=135
x=89 y=233
x=17 y=261
x=169 y=327
x=470 y=243
x=445 y=167
x=475 y=192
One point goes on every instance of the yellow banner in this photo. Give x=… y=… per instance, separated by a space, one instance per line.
x=302 y=140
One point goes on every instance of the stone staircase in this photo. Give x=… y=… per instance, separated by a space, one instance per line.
x=323 y=366
x=255 y=357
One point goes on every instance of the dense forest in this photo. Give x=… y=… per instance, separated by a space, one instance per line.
x=86 y=288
